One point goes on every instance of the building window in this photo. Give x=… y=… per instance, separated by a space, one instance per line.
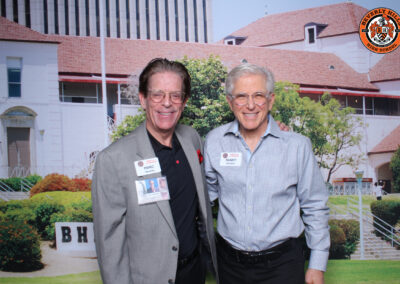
x=176 y=21
x=28 y=13
x=157 y=21
x=46 y=17
x=108 y=17
x=128 y=20
x=87 y=17
x=147 y=19
x=77 y=18
x=118 y=20
x=230 y=42
x=14 y=66
x=97 y=18
x=137 y=20
x=186 y=21
x=166 y=19
x=205 y=21
x=55 y=17
x=3 y=8
x=66 y=10
x=196 y=34
x=15 y=11
x=311 y=35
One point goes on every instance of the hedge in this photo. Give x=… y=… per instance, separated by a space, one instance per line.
x=15 y=182
x=388 y=211
x=57 y=182
x=19 y=247
x=345 y=235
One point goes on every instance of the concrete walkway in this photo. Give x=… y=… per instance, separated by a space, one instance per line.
x=57 y=263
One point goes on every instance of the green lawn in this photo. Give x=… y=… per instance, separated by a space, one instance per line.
x=339 y=272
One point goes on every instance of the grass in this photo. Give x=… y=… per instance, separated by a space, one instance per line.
x=339 y=272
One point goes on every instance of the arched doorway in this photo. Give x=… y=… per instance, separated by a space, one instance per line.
x=385 y=176
x=18 y=125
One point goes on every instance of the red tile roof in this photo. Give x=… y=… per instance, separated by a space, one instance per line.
x=388 y=68
x=123 y=57
x=15 y=32
x=280 y=28
x=389 y=144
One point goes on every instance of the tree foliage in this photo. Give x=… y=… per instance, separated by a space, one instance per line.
x=395 y=168
x=333 y=130
x=207 y=107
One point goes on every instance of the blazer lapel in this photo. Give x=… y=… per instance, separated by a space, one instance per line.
x=147 y=152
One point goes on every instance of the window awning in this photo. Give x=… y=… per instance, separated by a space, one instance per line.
x=344 y=92
x=91 y=79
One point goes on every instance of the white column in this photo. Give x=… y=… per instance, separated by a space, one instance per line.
x=82 y=18
x=171 y=16
x=200 y=20
x=51 y=11
x=9 y=10
x=209 y=21
x=113 y=19
x=162 y=18
x=181 y=20
x=36 y=15
x=122 y=15
x=143 y=24
x=132 y=19
x=152 y=20
x=92 y=17
x=190 y=11
x=71 y=17
x=21 y=12
x=61 y=17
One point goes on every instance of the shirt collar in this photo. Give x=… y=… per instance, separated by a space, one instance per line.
x=157 y=146
x=272 y=128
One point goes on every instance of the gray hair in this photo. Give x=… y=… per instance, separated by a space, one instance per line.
x=249 y=69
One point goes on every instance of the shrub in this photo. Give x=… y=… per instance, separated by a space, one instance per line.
x=21 y=215
x=338 y=240
x=70 y=215
x=82 y=184
x=395 y=168
x=351 y=230
x=19 y=247
x=53 y=182
x=388 y=211
x=15 y=182
x=43 y=214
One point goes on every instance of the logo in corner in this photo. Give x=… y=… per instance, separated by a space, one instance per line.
x=379 y=30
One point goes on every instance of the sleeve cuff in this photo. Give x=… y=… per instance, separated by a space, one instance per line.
x=318 y=260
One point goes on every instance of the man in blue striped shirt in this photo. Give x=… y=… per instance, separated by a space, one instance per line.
x=263 y=178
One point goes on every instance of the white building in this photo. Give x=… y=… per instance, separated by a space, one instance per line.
x=174 y=20
x=334 y=29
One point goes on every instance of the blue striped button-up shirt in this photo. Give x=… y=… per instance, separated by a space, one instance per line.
x=260 y=198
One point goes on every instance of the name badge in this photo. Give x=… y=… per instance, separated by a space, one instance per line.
x=147 y=167
x=231 y=159
x=152 y=190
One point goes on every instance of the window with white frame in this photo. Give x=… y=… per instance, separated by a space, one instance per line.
x=311 y=33
x=14 y=67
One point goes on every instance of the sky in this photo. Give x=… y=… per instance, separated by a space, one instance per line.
x=231 y=15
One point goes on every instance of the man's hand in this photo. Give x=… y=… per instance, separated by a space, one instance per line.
x=282 y=126
x=314 y=276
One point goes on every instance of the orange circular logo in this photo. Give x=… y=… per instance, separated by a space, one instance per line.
x=379 y=30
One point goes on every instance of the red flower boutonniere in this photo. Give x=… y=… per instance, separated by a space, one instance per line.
x=200 y=156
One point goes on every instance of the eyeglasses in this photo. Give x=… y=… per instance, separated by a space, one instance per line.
x=158 y=96
x=259 y=98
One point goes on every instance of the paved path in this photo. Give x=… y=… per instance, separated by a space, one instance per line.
x=56 y=263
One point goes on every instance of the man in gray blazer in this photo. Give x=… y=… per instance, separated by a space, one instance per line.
x=154 y=237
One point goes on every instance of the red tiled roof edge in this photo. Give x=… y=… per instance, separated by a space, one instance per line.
x=388 y=144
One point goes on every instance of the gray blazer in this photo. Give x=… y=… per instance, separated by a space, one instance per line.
x=137 y=243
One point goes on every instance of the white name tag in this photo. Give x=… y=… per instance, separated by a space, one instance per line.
x=231 y=159
x=152 y=190
x=147 y=167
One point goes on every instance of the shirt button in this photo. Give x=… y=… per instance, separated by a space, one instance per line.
x=174 y=248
